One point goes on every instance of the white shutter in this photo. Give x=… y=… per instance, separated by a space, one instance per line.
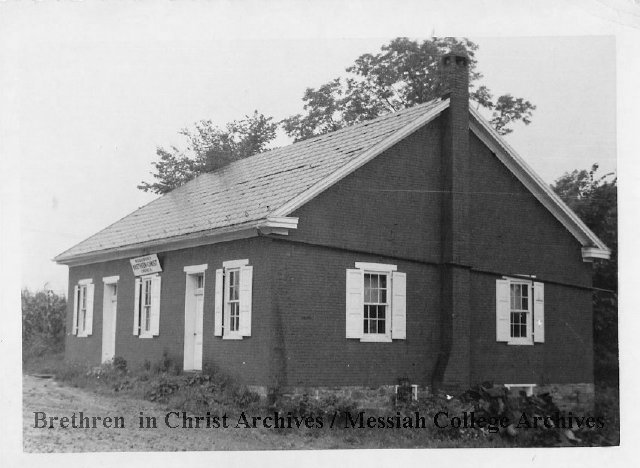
x=74 y=327
x=355 y=303
x=156 y=288
x=538 y=312
x=246 y=283
x=399 y=306
x=503 y=310
x=88 y=326
x=136 y=308
x=217 y=305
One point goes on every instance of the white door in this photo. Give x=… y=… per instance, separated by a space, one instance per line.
x=197 y=335
x=110 y=306
x=194 y=304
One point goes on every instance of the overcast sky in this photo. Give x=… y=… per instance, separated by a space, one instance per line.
x=97 y=89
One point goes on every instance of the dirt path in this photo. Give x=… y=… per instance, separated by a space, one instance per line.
x=46 y=395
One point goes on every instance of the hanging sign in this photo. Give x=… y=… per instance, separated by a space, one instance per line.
x=145 y=265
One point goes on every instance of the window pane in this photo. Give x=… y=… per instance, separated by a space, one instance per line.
x=366 y=326
x=367 y=293
x=381 y=312
x=373 y=326
x=374 y=281
x=381 y=326
x=383 y=296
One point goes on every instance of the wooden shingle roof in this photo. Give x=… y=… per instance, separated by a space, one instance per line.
x=249 y=190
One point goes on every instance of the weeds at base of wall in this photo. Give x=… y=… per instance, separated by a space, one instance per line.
x=216 y=392
x=161 y=382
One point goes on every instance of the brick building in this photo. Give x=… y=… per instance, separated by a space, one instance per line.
x=417 y=245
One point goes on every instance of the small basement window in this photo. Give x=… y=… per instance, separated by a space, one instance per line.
x=515 y=389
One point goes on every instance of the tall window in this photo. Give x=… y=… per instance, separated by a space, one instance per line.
x=375 y=303
x=233 y=299
x=146 y=319
x=520 y=309
x=83 y=308
x=146 y=304
x=82 y=305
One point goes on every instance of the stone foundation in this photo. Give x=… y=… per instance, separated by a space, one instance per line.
x=569 y=396
x=565 y=396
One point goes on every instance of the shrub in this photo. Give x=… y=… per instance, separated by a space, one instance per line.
x=167 y=365
x=120 y=364
x=43 y=323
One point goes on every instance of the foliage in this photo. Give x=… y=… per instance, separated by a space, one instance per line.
x=43 y=323
x=325 y=407
x=594 y=199
x=209 y=148
x=404 y=73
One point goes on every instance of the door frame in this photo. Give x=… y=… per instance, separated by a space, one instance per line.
x=192 y=272
x=109 y=315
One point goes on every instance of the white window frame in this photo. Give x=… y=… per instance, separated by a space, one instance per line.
x=378 y=269
x=229 y=334
x=528 y=339
x=143 y=320
x=82 y=312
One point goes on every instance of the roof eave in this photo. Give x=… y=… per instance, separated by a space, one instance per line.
x=589 y=254
x=269 y=225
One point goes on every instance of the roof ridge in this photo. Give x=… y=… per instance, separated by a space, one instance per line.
x=334 y=132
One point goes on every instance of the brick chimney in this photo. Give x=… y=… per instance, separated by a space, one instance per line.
x=452 y=368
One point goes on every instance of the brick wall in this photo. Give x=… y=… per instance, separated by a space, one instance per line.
x=246 y=358
x=390 y=206
x=310 y=300
x=512 y=233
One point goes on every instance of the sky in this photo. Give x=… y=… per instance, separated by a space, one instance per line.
x=97 y=89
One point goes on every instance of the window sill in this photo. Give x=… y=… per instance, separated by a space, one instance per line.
x=376 y=339
x=145 y=336
x=232 y=337
x=82 y=336
x=521 y=342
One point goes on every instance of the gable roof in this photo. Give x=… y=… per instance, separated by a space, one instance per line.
x=263 y=189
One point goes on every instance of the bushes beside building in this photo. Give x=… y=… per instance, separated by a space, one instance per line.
x=43 y=324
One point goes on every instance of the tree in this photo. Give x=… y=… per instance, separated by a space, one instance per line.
x=403 y=74
x=595 y=200
x=210 y=147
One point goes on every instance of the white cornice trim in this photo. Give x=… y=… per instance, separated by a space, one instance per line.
x=278 y=225
x=534 y=183
x=316 y=189
x=162 y=245
x=591 y=253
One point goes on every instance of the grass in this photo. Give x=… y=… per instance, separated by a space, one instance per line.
x=213 y=391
